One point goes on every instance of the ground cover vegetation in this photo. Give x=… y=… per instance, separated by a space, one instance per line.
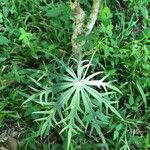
x=74 y=86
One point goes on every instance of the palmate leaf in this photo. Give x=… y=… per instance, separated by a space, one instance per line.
x=63 y=99
x=92 y=116
x=78 y=98
x=101 y=100
x=48 y=120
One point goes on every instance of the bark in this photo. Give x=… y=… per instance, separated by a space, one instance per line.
x=79 y=22
x=93 y=16
x=80 y=26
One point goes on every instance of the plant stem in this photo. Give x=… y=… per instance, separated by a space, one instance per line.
x=80 y=28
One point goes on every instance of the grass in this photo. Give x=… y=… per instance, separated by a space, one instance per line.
x=31 y=32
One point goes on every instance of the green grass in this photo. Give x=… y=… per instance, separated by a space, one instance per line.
x=31 y=32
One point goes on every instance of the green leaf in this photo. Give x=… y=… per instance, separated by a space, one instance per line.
x=76 y=94
x=116 y=134
x=25 y=36
x=142 y=93
x=1 y=17
x=118 y=127
x=6 y=11
x=105 y=14
x=69 y=137
x=55 y=11
x=2 y=59
x=3 y=40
